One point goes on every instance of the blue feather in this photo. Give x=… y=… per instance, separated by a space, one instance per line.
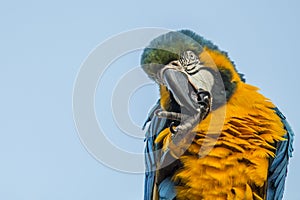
x=278 y=166
x=166 y=189
x=156 y=126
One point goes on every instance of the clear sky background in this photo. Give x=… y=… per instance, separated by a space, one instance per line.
x=43 y=44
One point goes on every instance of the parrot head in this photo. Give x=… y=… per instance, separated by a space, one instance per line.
x=194 y=76
x=182 y=63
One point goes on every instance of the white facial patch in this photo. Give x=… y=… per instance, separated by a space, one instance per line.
x=199 y=76
x=196 y=72
x=202 y=79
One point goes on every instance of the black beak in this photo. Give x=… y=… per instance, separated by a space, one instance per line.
x=183 y=92
x=194 y=106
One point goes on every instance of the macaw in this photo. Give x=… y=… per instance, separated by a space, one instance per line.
x=210 y=135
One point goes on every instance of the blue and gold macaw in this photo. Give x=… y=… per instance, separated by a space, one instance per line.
x=211 y=135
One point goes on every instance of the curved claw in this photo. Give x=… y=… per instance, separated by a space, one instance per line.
x=172 y=129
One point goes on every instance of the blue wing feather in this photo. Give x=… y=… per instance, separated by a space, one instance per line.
x=156 y=125
x=166 y=187
x=278 y=167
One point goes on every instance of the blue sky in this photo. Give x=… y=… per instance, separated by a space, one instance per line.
x=43 y=45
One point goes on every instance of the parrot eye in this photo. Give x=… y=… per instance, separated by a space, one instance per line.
x=192 y=56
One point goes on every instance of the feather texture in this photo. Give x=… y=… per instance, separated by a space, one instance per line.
x=156 y=125
x=238 y=163
x=242 y=153
x=278 y=166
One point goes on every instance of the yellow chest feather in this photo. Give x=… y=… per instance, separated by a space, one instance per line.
x=230 y=162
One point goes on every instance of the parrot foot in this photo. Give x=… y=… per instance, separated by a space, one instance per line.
x=185 y=127
x=187 y=122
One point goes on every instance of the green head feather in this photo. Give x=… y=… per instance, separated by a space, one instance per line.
x=168 y=47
